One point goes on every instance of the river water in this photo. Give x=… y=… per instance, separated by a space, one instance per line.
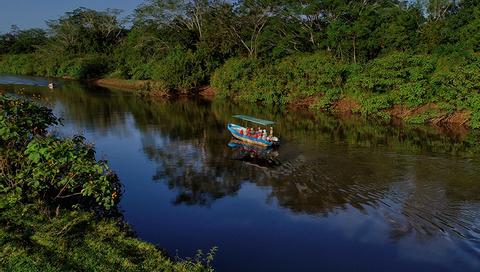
x=340 y=194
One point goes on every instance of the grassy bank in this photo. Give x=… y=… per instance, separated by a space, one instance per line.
x=34 y=239
x=58 y=205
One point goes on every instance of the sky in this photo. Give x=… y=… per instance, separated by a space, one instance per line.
x=34 y=13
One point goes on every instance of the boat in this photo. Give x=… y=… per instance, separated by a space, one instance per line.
x=239 y=132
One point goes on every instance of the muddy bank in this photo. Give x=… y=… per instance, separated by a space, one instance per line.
x=429 y=113
x=151 y=88
x=425 y=114
x=123 y=84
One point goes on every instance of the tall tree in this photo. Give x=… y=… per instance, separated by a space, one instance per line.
x=438 y=9
x=86 y=31
x=174 y=13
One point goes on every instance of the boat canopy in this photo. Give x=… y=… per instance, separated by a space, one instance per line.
x=254 y=120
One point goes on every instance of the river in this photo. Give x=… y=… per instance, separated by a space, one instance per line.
x=340 y=194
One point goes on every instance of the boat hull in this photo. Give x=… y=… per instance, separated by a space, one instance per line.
x=234 y=130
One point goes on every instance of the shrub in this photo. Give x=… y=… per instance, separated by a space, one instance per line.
x=311 y=75
x=60 y=171
x=456 y=80
x=234 y=76
x=405 y=75
x=295 y=77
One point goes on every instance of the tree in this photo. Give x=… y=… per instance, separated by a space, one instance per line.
x=189 y=14
x=247 y=22
x=86 y=31
x=437 y=9
x=21 y=41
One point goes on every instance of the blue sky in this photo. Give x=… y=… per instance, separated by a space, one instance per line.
x=34 y=13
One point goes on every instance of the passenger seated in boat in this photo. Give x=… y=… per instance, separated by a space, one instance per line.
x=264 y=135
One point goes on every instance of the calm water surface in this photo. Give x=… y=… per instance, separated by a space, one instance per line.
x=341 y=194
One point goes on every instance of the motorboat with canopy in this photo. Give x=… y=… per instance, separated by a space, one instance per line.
x=261 y=138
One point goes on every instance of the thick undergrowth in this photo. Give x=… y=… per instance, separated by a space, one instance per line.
x=426 y=87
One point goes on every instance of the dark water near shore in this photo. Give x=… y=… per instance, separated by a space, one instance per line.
x=340 y=194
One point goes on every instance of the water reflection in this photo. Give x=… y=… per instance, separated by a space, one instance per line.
x=418 y=181
x=263 y=157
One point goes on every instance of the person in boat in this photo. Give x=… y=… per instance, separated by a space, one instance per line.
x=264 y=135
x=271 y=133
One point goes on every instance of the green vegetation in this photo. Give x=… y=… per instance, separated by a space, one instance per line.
x=378 y=53
x=58 y=204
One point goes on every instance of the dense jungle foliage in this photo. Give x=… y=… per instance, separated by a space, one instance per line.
x=58 y=203
x=378 y=53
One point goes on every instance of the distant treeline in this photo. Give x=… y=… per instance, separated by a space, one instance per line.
x=380 y=53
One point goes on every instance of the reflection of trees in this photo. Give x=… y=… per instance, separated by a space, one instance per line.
x=187 y=141
x=88 y=106
x=426 y=197
x=441 y=197
x=305 y=127
x=189 y=168
x=414 y=196
x=104 y=108
x=332 y=182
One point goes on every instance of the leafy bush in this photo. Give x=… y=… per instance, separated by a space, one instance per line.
x=311 y=75
x=24 y=64
x=423 y=117
x=295 y=77
x=78 y=67
x=326 y=101
x=406 y=76
x=180 y=70
x=456 y=80
x=373 y=105
x=58 y=171
x=234 y=76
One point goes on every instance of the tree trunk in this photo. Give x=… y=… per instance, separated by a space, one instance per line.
x=354 y=50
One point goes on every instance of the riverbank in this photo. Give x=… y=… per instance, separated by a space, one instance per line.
x=117 y=83
x=417 y=88
x=423 y=114
x=142 y=86
x=34 y=238
x=58 y=204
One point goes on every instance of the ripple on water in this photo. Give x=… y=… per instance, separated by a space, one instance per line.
x=417 y=195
